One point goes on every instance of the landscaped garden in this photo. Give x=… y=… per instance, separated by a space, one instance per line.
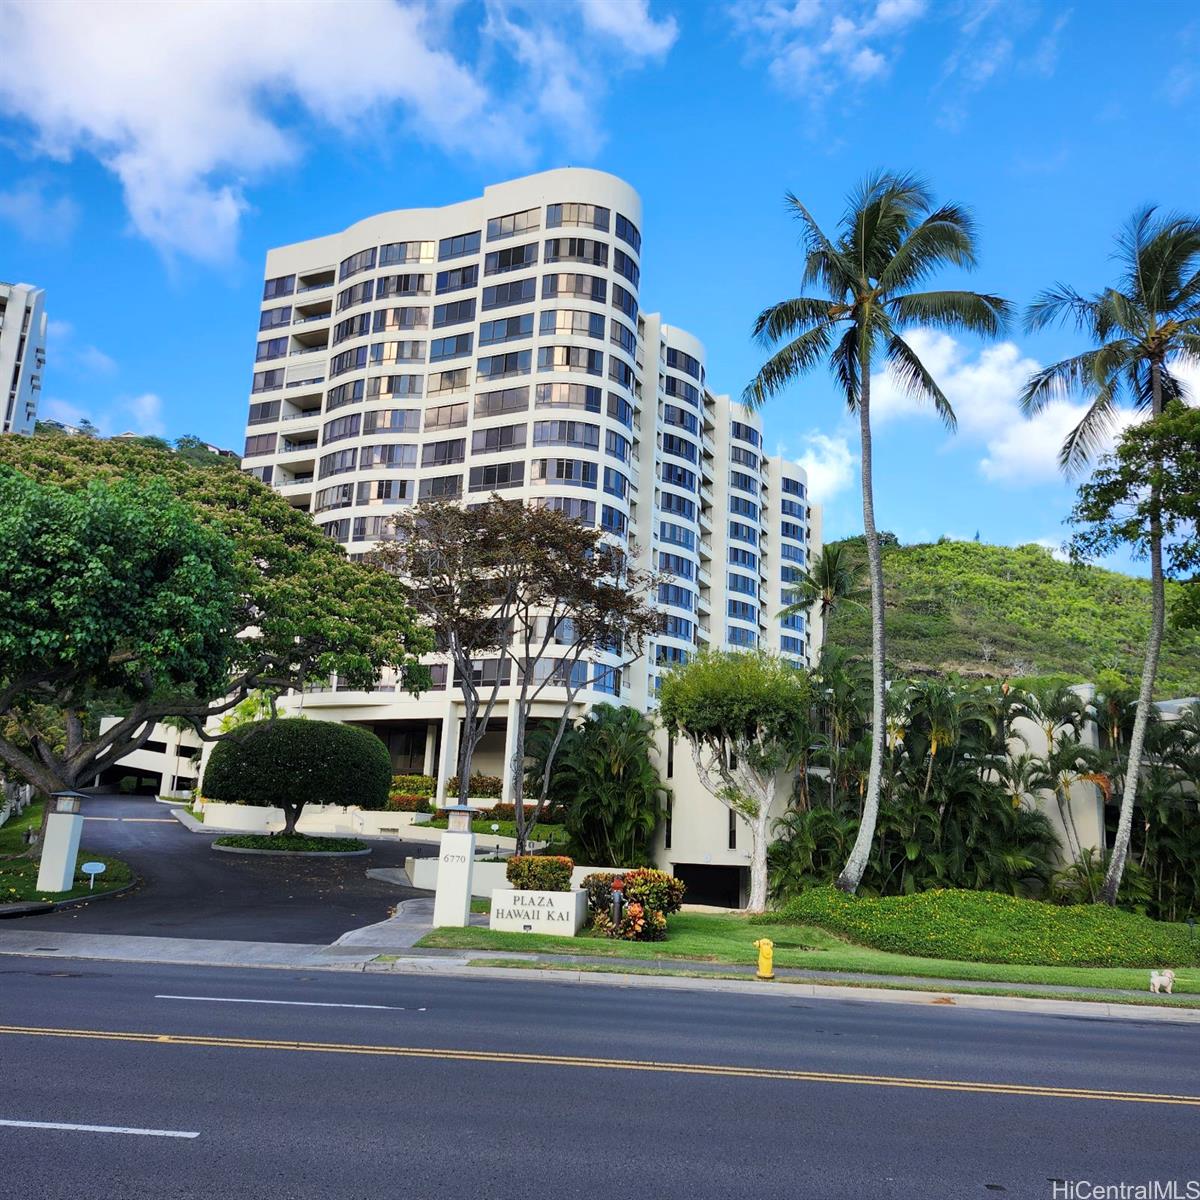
x=18 y=875
x=291 y=843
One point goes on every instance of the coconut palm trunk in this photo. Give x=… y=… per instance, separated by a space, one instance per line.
x=1137 y=739
x=856 y=864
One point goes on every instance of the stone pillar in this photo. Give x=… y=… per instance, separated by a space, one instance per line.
x=60 y=850
x=430 y=763
x=456 y=866
x=510 y=746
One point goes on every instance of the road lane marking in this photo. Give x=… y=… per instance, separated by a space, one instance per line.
x=610 y=1064
x=167 y=1133
x=295 y=1003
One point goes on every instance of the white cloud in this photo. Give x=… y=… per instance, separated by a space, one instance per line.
x=64 y=352
x=189 y=104
x=811 y=50
x=126 y=414
x=984 y=387
x=829 y=463
x=1054 y=545
x=37 y=215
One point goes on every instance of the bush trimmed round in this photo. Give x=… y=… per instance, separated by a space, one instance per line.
x=294 y=761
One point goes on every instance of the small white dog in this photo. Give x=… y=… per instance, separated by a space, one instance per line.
x=1162 y=981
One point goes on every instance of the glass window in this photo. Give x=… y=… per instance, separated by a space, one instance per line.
x=580 y=250
x=388 y=319
x=352 y=327
x=587 y=216
x=584 y=287
x=384 y=491
x=790 y=508
x=513 y=224
x=499 y=437
x=499 y=366
x=396 y=253
x=267 y=381
x=338 y=531
x=625 y=301
x=678 y=627
x=570 y=358
x=682 y=390
x=620 y=409
x=458 y=246
x=443 y=454
x=742 y=507
x=616 y=445
x=449 y=381
x=747 y=483
x=271 y=348
x=615 y=484
x=674 y=415
x=281 y=285
x=392 y=420
x=444 y=487
x=740 y=557
x=613 y=520
x=676 y=564
x=679 y=446
x=737 y=636
x=454 y=312
x=679 y=476
x=744 y=457
x=457 y=278
x=679 y=361
x=341 y=428
x=494 y=477
x=448 y=416
x=789 y=529
x=746 y=433
x=511 y=258
x=583 y=511
x=677 y=535
x=568 y=395
x=572 y=320
x=621 y=335
x=676 y=596
x=506 y=329
x=742 y=610
x=791 y=645
x=620 y=372
x=572 y=472
x=260 y=443
x=681 y=506
x=739 y=583
x=627 y=231
x=793 y=487
x=504 y=295
x=566 y=433
x=791 y=552
x=274 y=318
x=384 y=386
x=360 y=293
x=740 y=532
x=506 y=400
x=348 y=360
x=263 y=412
x=395 y=456
x=401 y=285
x=364 y=260
x=623 y=264
x=344 y=393
x=341 y=495
x=337 y=463
x=391 y=353
x=454 y=346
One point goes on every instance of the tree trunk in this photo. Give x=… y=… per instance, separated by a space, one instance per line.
x=1137 y=739
x=856 y=864
x=291 y=814
x=517 y=766
x=758 y=862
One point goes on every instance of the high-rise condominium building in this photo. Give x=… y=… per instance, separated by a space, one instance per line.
x=499 y=346
x=22 y=354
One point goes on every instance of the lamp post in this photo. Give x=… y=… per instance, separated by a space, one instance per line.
x=60 y=850
x=456 y=867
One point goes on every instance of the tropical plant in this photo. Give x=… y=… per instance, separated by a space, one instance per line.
x=832 y=580
x=892 y=238
x=1143 y=330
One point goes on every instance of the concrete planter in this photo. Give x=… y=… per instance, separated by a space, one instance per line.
x=315 y=819
x=559 y=914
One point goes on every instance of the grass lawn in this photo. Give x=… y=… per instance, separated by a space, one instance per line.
x=721 y=938
x=18 y=876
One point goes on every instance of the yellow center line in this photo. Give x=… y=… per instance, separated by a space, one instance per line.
x=507 y=1058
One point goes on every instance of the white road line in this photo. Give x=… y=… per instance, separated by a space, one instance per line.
x=169 y=1133
x=295 y=1003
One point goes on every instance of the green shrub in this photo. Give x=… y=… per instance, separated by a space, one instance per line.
x=641 y=924
x=413 y=785
x=291 y=842
x=481 y=787
x=552 y=814
x=599 y=890
x=994 y=928
x=291 y=762
x=656 y=891
x=414 y=804
x=540 y=872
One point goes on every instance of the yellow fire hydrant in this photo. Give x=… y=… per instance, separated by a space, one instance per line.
x=766 y=958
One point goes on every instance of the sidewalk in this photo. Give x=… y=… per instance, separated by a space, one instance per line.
x=387 y=947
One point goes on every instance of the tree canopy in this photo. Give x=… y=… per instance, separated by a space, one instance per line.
x=252 y=596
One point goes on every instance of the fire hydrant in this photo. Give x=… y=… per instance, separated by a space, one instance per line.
x=766 y=958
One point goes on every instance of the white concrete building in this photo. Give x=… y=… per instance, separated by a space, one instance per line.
x=498 y=345
x=22 y=354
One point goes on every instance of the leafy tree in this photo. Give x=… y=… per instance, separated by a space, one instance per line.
x=605 y=776
x=833 y=579
x=291 y=762
x=1146 y=497
x=892 y=239
x=132 y=579
x=743 y=716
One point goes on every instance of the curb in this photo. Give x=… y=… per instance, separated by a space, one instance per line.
x=291 y=853
x=32 y=908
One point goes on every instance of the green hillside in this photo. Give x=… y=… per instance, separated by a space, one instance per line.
x=998 y=611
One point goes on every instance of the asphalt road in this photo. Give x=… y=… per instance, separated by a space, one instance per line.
x=189 y=890
x=456 y=1088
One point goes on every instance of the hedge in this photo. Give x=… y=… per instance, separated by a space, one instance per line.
x=290 y=762
x=540 y=872
x=400 y=803
x=994 y=928
x=482 y=787
x=551 y=815
x=413 y=785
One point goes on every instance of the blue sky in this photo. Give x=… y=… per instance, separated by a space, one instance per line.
x=150 y=155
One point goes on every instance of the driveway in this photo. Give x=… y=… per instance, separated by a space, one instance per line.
x=188 y=890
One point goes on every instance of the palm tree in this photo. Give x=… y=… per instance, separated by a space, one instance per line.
x=1142 y=328
x=892 y=238
x=832 y=579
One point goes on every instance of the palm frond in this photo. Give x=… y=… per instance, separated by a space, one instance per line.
x=946 y=235
x=1090 y=436
x=787 y=364
x=791 y=317
x=1058 y=305
x=1059 y=381
x=823 y=261
x=845 y=365
x=973 y=311
x=913 y=376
